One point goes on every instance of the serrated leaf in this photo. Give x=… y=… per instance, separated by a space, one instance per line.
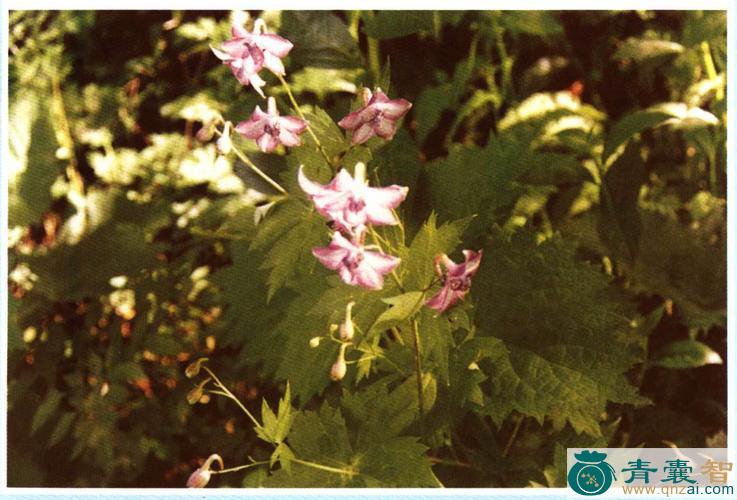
x=619 y=223
x=683 y=354
x=432 y=240
x=62 y=428
x=403 y=307
x=320 y=39
x=385 y=24
x=550 y=322
x=46 y=409
x=289 y=233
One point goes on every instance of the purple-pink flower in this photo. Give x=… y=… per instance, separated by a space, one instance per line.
x=355 y=264
x=350 y=202
x=378 y=116
x=456 y=279
x=246 y=53
x=269 y=129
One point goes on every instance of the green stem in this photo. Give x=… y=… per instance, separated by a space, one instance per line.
x=303 y=117
x=377 y=241
x=231 y=396
x=325 y=468
x=257 y=170
x=418 y=372
x=512 y=437
x=506 y=62
x=240 y=467
x=374 y=60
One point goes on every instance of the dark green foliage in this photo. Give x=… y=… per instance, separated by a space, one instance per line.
x=584 y=152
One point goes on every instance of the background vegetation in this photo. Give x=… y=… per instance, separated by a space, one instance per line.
x=589 y=146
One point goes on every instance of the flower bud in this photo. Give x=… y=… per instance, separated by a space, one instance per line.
x=206 y=132
x=199 y=478
x=224 y=144
x=346 y=328
x=315 y=341
x=339 y=368
x=194 y=368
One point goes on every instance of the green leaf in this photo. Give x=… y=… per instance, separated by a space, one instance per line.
x=403 y=307
x=641 y=50
x=46 y=409
x=686 y=354
x=33 y=166
x=397 y=23
x=62 y=428
x=432 y=240
x=287 y=237
x=685 y=264
x=429 y=108
x=549 y=324
x=331 y=136
x=675 y=114
x=619 y=224
x=320 y=39
x=109 y=238
x=533 y=22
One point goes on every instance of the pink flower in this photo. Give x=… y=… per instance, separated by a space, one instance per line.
x=350 y=203
x=378 y=116
x=355 y=264
x=269 y=129
x=246 y=53
x=456 y=279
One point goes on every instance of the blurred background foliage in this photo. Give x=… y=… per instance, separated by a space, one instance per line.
x=601 y=134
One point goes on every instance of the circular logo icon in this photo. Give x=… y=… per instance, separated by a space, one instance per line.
x=591 y=475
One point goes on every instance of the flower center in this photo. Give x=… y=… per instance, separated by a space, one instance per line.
x=271 y=129
x=458 y=284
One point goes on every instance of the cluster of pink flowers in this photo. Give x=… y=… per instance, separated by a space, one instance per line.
x=246 y=53
x=347 y=201
x=351 y=205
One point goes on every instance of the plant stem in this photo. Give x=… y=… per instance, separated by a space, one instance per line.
x=325 y=468
x=257 y=170
x=377 y=240
x=512 y=437
x=302 y=116
x=240 y=467
x=231 y=396
x=418 y=372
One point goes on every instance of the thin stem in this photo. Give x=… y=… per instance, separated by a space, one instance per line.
x=418 y=372
x=374 y=59
x=325 y=468
x=240 y=467
x=303 y=117
x=253 y=167
x=231 y=396
x=393 y=274
x=512 y=437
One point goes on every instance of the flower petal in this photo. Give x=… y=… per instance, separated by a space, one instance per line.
x=275 y=44
x=394 y=109
x=351 y=120
x=288 y=138
x=267 y=143
x=381 y=262
x=293 y=124
x=390 y=196
x=385 y=129
x=274 y=64
x=362 y=134
x=308 y=186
